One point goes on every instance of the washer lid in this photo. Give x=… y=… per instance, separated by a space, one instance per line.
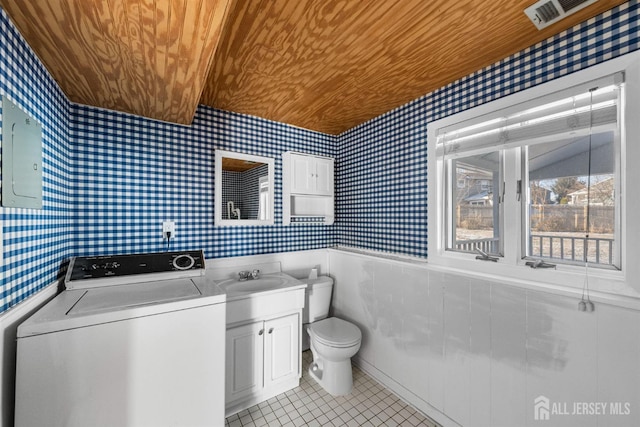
x=82 y=308
x=98 y=300
x=336 y=332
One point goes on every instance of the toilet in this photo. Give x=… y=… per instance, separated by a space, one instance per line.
x=332 y=341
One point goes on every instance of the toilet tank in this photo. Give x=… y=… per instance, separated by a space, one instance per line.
x=317 y=299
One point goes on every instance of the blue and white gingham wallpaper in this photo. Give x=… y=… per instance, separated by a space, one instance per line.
x=381 y=176
x=132 y=173
x=110 y=178
x=35 y=242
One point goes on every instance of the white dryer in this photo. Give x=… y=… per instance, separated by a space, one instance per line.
x=134 y=340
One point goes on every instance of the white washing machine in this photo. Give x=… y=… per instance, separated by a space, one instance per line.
x=134 y=340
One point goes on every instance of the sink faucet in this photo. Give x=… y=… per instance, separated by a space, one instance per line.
x=248 y=275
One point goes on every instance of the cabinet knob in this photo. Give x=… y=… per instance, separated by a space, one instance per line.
x=261 y=332
x=270 y=330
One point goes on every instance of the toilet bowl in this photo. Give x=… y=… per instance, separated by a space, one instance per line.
x=333 y=342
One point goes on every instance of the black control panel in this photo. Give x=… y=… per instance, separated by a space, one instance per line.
x=83 y=268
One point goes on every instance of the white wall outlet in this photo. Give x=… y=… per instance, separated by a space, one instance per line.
x=168 y=227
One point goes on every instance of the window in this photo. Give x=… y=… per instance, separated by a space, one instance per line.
x=561 y=154
x=570 y=206
x=474 y=210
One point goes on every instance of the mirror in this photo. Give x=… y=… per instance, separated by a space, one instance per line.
x=244 y=189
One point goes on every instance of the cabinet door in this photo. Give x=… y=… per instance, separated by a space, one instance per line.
x=302 y=174
x=244 y=365
x=324 y=176
x=282 y=350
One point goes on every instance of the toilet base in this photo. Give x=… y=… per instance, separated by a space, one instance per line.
x=336 y=378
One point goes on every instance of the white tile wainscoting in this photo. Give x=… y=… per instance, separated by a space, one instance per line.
x=477 y=352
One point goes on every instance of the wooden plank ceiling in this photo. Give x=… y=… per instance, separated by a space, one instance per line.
x=324 y=65
x=144 y=57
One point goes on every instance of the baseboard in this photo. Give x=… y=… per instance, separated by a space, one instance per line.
x=406 y=395
x=9 y=321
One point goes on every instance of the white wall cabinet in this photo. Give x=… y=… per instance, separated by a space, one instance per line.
x=262 y=350
x=308 y=189
x=311 y=174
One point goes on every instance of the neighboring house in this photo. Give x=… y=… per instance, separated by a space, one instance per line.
x=484 y=198
x=474 y=188
x=540 y=195
x=601 y=193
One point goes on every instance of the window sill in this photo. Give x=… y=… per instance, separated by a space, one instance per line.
x=564 y=279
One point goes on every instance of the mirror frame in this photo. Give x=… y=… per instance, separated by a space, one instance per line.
x=218 y=208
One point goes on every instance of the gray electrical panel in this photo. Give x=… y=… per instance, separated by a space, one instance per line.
x=21 y=158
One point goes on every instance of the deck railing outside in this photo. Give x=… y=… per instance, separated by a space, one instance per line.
x=488 y=245
x=599 y=249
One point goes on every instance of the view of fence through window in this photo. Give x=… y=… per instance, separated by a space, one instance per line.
x=561 y=208
x=477 y=213
x=559 y=230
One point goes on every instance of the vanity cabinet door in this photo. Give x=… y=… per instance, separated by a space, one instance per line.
x=282 y=350
x=244 y=352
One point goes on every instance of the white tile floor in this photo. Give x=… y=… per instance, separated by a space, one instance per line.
x=369 y=404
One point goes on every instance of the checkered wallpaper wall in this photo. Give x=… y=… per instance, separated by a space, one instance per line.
x=35 y=242
x=132 y=173
x=381 y=180
x=110 y=179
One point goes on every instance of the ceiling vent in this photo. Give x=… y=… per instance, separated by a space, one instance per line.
x=547 y=12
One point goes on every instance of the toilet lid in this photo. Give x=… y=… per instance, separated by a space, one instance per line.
x=336 y=332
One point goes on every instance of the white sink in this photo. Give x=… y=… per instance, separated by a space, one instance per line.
x=267 y=282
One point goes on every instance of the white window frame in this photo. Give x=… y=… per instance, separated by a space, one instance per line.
x=526 y=230
x=450 y=172
x=512 y=265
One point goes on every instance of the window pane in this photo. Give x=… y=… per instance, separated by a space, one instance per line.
x=563 y=209
x=475 y=209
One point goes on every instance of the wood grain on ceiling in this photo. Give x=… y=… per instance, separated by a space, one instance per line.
x=144 y=57
x=325 y=65
x=331 y=65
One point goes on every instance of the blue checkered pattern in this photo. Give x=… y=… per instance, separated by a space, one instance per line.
x=307 y=220
x=35 y=241
x=110 y=179
x=381 y=180
x=132 y=173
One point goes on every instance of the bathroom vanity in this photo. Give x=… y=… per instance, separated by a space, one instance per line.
x=263 y=338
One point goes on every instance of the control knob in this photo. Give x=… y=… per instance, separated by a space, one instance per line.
x=183 y=262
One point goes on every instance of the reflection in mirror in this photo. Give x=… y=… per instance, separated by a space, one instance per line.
x=244 y=189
